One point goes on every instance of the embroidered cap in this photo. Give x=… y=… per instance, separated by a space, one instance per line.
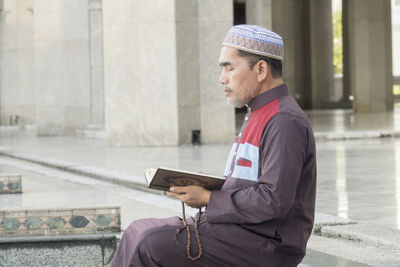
x=255 y=39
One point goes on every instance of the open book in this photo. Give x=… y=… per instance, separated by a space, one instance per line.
x=163 y=179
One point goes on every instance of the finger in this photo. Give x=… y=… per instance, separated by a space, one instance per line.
x=178 y=189
x=194 y=187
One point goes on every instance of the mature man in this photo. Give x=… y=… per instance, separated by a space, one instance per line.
x=264 y=213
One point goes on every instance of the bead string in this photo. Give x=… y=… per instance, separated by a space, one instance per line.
x=196 y=228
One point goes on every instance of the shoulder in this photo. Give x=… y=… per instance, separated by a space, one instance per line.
x=289 y=106
x=288 y=114
x=289 y=123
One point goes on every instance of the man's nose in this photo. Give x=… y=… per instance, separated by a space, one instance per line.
x=222 y=79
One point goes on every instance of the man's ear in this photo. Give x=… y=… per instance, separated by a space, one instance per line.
x=262 y=70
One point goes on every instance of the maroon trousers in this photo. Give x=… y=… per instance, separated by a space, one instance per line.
x=151 y=242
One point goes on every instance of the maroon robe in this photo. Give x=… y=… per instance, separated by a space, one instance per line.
x=264 y=213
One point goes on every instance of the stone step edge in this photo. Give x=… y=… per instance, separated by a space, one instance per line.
x=322 y=220
x=335 y=227
x=60 y=221
x=356 y=135
x=385 y=240
x=358 y=252
x=135 y=182
x=60 y=238
x=58 y=209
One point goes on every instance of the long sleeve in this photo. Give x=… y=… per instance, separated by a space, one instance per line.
x=282 y=155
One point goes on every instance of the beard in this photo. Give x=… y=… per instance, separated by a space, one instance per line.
x=238 y=101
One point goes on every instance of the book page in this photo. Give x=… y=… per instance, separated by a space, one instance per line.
x=149 y=174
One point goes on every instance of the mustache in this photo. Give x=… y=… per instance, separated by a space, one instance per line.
x=227 y=89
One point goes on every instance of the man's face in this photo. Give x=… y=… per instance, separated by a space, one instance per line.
x=240 y=82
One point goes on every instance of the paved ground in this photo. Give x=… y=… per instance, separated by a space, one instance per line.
x=353 y=175
x=340 y=120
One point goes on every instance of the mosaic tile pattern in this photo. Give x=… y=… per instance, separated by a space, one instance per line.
x=10 y=183
x=60 y=221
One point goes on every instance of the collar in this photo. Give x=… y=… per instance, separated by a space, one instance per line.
x=268 y=96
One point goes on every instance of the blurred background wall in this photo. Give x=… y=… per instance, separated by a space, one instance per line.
x=146 y=73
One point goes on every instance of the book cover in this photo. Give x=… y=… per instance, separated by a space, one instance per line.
x=163 y=179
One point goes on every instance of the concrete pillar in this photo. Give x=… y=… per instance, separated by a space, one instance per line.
x=140 y=72
x=17 y=93
x=346 y=56
x=161 y=72
x=290 y=18
x=367 y=49
x=61 y=66
x=306 y=28
x=259 y=12
x=187 y=57
x=321 y=53
x=96 y=64
x=217 y=117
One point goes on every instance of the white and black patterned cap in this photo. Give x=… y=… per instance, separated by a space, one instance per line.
x=255 y=39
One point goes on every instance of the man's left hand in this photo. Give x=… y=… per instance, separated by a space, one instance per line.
x=194 y=196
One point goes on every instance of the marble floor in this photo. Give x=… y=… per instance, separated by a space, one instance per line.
x=340 y=120
x=345 y=120
x=357 y=179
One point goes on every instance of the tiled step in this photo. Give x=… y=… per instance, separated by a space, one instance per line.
x=10 y=183
x=48 y=222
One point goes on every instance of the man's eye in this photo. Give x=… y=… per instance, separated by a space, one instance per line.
x=230 y=69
